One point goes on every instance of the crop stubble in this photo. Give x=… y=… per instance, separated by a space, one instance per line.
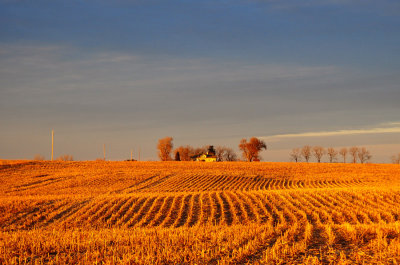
x=148 y=212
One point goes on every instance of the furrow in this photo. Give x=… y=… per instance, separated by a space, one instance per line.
x=136 y=218
x=247 y=205
x=65 y=213
x=131 y=211
x=239 y=214
x=174 y=212
x=224 y=183
x=97 y=218
x=184 y=212
x=206 y=208
x=217 y=209
x=81 y=219
x=122 y=211
x=117 y=206
x=262 y=214
x=164 y=211
x=195 y=210
x=152 y=212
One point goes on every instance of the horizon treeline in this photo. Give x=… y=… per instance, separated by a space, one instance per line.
x=352 y=154
x=250 y=151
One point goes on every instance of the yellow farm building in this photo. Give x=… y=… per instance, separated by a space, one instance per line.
x=209 y=156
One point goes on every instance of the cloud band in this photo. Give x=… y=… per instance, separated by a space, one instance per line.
x=336 y=133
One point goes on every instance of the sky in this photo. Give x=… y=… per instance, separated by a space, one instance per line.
x=127 y=73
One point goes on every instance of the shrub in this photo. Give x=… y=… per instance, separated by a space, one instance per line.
x=38 y=157
x=66 y=158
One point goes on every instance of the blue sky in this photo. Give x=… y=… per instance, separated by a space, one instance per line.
x=126 y=73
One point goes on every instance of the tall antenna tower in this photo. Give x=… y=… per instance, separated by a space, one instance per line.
x=52 y=145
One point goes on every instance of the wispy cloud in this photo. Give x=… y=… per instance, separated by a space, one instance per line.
x=395 y=123
x=378 y=130
x=57 y=67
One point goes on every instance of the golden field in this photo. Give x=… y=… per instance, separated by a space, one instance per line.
x=199 y=213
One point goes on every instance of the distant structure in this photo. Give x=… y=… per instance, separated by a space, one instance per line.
x=209 y=156
x=52 y=145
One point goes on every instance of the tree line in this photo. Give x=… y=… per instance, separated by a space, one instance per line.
x=250 y=151
x=39 y=157
x=355 y=153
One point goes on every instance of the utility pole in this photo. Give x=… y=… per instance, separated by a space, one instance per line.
x=131 y=155
x=104 y=151
x=139 y=155
x=52 y=145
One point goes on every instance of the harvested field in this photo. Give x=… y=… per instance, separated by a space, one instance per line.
x=199 y=213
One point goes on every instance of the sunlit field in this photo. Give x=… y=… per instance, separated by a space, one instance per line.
x=199 y=213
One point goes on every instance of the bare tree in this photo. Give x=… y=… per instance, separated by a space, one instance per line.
x=252 y=148
x=225 y=154
x=219 y=152
x=306 y=152
x=396 y=159
x=65 y=158
x=164 y=148
x=363 y=155
x=354 y=153
x=200 y=150
x=332 y=153
x=295 y=154
x=38 y=157
x=230 y=155
x=343 y=152
x=318 y=152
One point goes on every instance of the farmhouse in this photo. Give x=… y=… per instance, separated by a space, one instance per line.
x=209 y=156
